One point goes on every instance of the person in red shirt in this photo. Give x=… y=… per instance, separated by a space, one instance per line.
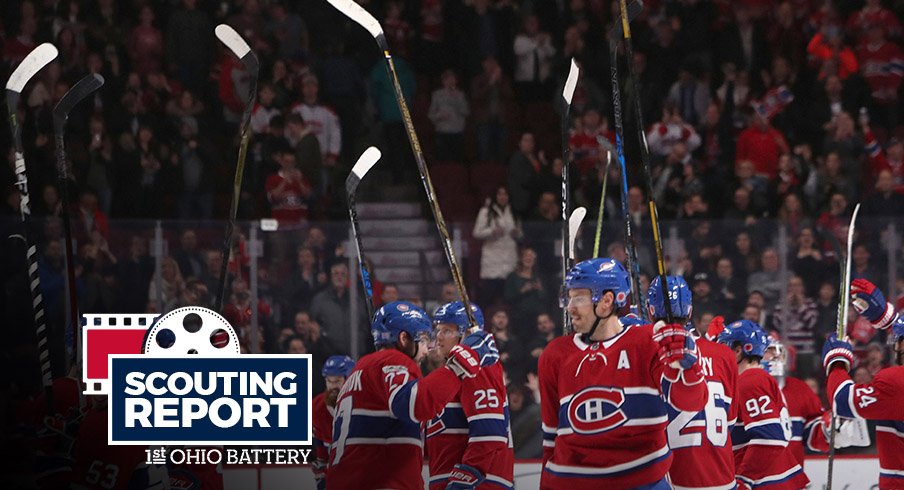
x=288 y=190
x=584 y=143
x=871 y=15
x=828 y=53
x=882 y=65
x=762 y=145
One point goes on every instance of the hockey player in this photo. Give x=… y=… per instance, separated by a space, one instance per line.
x=469 y=443
x=323 y=407
x=804 y=407
x=761 y=435
x=880 y=399
x=613 y=278
x=701 y=438
x=99 y=466
x=612 y=419
x=377 y=428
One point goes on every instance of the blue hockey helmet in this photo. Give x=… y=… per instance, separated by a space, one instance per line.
x=338 y=366
x=396 y=317
x=680 y=298
x=455 y=313
x=598 y=275
x=751 y=336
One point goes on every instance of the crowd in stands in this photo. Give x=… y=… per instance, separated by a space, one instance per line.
x=760 y=115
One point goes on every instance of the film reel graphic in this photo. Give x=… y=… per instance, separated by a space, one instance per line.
x=191 y=330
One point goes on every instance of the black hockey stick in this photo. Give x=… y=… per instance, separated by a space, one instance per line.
x=36 y=59
x=357 y=13
x=645 y=159
x=80 y=91
x=630 y=244
x=844 y=293
x=567 y=94
x=367 y=160
x=242 y=51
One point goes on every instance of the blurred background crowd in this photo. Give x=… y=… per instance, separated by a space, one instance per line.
x=767 y=121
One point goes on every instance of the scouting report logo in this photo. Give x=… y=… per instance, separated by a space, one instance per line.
x=183 y=381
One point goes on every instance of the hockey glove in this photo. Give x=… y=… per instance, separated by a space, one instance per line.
x=464 y=477
x=716 y=325
x=869 y=301
x=676 y=346
x=463 y=362
x=484 y=345
x=837 y=351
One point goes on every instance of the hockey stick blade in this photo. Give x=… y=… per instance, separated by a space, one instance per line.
x=37 y=59
x=571 y=82
x=847 y=273
x=574 y=222
x=228 y=36
x=357 y=13
x=81 y=90
x=365 y=162
x=634 y=9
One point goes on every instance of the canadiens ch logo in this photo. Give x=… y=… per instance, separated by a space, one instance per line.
x=596 y=410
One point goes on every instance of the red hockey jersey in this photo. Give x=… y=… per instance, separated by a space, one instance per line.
x=702 y=439
x=473 y=429
x=102 y=467
x=377 y=438
x=806 y=411
x=612 y=418
x=879 y=400
x=883 y=67
x=761 y=436
x=548 y=368
x=322 y=425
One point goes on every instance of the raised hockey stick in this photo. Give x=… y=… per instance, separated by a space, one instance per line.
x=645 y=159
x=242 y=51
x=604 y=143
x=80 y=91
x=574 y=222
x=844 y=293
x=567 y=94
x=357 y=13
x=367 y=160
x=36 y=59
x=630 y=245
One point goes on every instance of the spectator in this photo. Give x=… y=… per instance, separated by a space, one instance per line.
x=892 y=159
x=190 y=45
x=90 y=218
x=97 y=278
x=99 y=174
x=744 y=43
x=880 y=64
x=829 y=55
x=264 y=110
x=762 y=145
x=524 y=292
x=497 y=227
x=188 y=257
x=448 y=110
x=523 y=174
x=146 y=43
x=319 y=346
x=534 y=54
x=885 y=202
x=744 y=256
x=757 y=299
x=329 y=308
x=672 y=129
x=238 y=312
x=584 y=141
x=390 y=293
x=861 y=266
x=731 y=289
x=795 y=318
x=288 y=190
x=544 y=334
x=324 y=123
x=195 y=293
x=306 y=280
x=525 y=422
x=194 y=156
x=689 y=96
x=705 y=300
x=754 y=313
x=382 y=94
x=295 y=345
x=211 y=276
x=134 y=273
x=793 y=215
x=287 y=32
x=492 y=109
x=398 y=30
x=234 y=84
x=510 y=348
x=306 y=146
x=807 y=262
x=843 y=140
x=148 y=165
x=875 y=358
x=768 y=280
x=834 y=222
x=826 y=311
x=741 y=208
x=51 y=202
x=171 y=285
